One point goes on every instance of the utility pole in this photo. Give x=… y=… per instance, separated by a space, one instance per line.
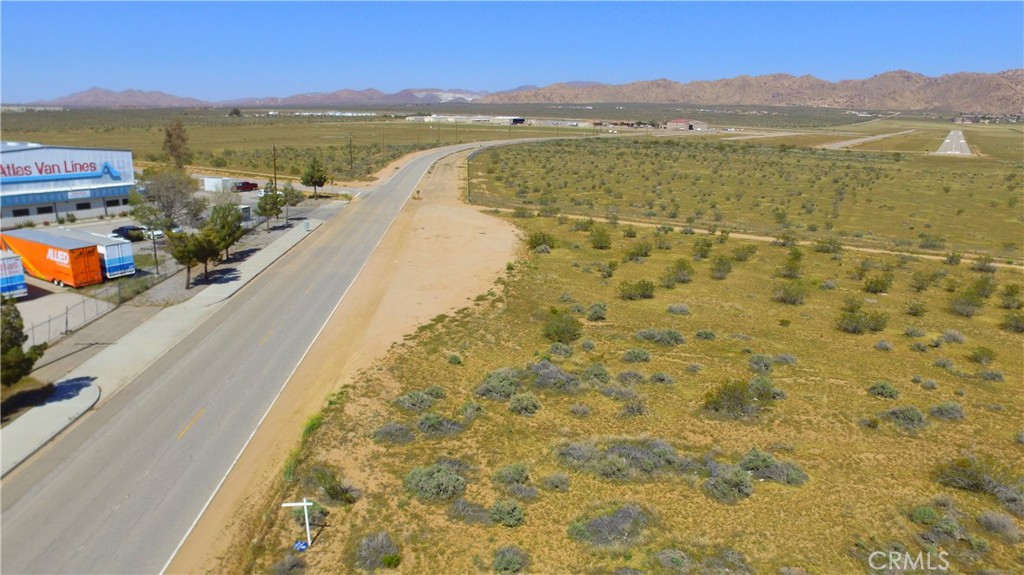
x=351 y=165
x=275 y=167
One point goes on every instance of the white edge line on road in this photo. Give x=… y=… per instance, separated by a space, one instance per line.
x=301 y=359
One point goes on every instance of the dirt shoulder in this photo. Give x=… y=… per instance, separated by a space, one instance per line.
x=411 y=277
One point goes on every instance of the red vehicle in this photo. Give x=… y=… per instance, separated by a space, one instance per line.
x=245 y=186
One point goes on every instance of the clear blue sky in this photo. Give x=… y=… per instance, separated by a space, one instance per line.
x=221 y=50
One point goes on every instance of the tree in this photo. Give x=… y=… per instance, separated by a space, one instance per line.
x=268 y=207
x=173 y=192
x=176 y=144
x=16 y=362
x=225 y=223
x=315 y=175
x=235 y=113
x=183 y=250
x=205 y=250
x=290 y=197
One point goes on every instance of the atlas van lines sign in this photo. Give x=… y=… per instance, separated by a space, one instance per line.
x=12 y=170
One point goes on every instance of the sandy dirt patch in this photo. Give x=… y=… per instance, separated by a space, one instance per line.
x=410 y=278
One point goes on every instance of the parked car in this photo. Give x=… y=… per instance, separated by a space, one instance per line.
x=130 y=233
x=153 y=234
x=245 y=186
x=264 y=192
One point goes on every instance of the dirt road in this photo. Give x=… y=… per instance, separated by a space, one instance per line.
x=438 y=255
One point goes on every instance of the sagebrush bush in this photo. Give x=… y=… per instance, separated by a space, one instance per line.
x=469 y=411
x=636 y=356
x=332 y=488
x=907 y=418
x=514 y=473
x=560 y=349
x=791 y=293
x=662 y=378
x=661 y=336
x=950 y=410
x=549 y=376
x=991 y=375
x=982 y=355
x=630 y=377
x=634 y=407
x=1013 y=322
x=524 y=404
x=829 y=284
x=760 y=363
x=679 y=309
x=739 y=399
x=883 y=345
x=416 y=401
x=641 y=289
x=469 y=512
x=943 y=362
x=579 y=410
x=434 y=482
x=434 y=425
x=763 y=465
x=744 y=253
x=729 y=484
x=925 y=515
x=289 y=565
x=556 y=482
x=678 y=272
x=394 y=432
x=638 y=251
x=376 y=551
x=705 y=334
x=510 y=559
x=435 y=391
x=884 y=389
x=595 y=374
x=953 y=336
x=623 y=526
x=537 y=239
x=597 y=312
x=917 y=309
x=587 y=345
x=501 y=384
x=508 y=513
x=1001 y=524
x=878 y=284
x=912 y=331
x=784 y=359
x=562 y=327
x=721 y=267
x=317 y=515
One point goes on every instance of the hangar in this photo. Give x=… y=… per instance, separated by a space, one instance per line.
x=52 y=184
x=684 y=124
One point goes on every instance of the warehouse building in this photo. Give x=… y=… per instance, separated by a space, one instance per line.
x=41 y=183
x=684 y=124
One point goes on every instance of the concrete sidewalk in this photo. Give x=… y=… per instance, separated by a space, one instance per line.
x=117 y=365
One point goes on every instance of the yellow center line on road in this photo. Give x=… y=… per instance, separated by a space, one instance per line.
x=265 y=338
x=201 y=410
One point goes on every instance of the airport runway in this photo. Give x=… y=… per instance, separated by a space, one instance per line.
x=955 y=145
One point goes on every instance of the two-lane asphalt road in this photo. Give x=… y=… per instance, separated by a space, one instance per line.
x=121 y=489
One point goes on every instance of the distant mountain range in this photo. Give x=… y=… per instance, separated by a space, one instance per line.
x=999 y=93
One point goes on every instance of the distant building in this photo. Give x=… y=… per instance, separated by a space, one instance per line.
x=690 y=125
x=42 y=183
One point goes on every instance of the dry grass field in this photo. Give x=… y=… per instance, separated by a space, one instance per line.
x=867 y=477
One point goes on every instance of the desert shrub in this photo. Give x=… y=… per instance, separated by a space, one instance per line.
x=435 y=391
x=950 y=410
x=562 y=327
x=661 y=336
x=702 y=248
x=929 y=385
x=469 y=512
x=678 y=272
x=729 y=484
x=641 y=289
x=638 y=251
x=982 y=355
x=597 y=312
x=744 y=253
x=507 y=512
x=617 y=392
x=634 y=407
x=919 y=346
x=560 y=349
x=760 y=363
x=917 y=309
x=556 y=482
x=791 y=293
x=623 y=526
x=377 y=551
x=1010 y=297
x=1014 y=322
x=705 y=334
x=984 y=264
x=469 y=411
x=500 y=384
x=953 y=336
x=625 y=459
x=1001 y=524
x=289 y=565
x=629 y=232
x=636 y=355
x=434 y=482
x=394 y=432
x=454 y=359
x=829 y=284
x=662 y=378
x=630 y=377
x=738 y=399
x=784 y=359
x=416 y=401
x=587 y=345
x=966 y=303
x=542 y=249
x=583 y=225
x=433 y=425
x=721 y=267
x=828 y=246
x=883 y=345
x=763 y=465
x=884 y=389
x=600 y=238
x=317 y=515
x=524 y=404
x=579 y=410
x=943 y=362
x=595 y=374
x=510 y=559
x=334 y=490
x=907 y=418
x=549 y=376
x=991 y=375
x=537 y=239
x=683 y=309
x=859 y=321
x=607 y=270
x=523 y=492
x=925 y=515
x=514 y=473
x=694 y=368
x=912 y=331
x=878 y=284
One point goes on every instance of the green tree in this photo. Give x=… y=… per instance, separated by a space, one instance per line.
x=315 y=175
x=16 y=363
x=205 y=250
x=225 y=224
x=290 y=198
x=235 y=113
x=268 y=207
x=173 y=192
x=176 y=144
x=183 y=250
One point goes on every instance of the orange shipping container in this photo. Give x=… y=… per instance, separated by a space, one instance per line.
x=63 y=261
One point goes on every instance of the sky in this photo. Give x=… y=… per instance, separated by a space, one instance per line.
x=217 y=51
